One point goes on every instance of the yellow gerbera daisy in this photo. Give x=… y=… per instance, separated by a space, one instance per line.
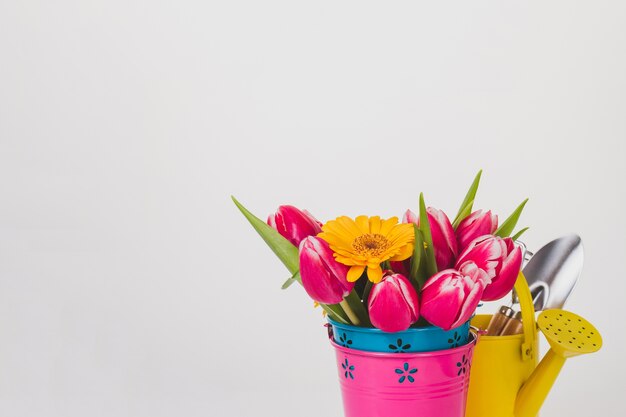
x=367 y=242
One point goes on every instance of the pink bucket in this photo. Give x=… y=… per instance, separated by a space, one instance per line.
x=421 y=384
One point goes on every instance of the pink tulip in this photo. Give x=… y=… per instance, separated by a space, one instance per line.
x=410 y=217
x=499 y=258
x=323 y=278
x=477 y=224
x=294 y=224
x=442 y=233
x=393 y=304
x=450 y=297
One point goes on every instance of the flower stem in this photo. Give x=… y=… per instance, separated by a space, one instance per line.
x=346 y=307
x=357 y=307
x=336 y=313
x=366 y=292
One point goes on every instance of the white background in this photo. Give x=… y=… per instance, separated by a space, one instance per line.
x=129 y=283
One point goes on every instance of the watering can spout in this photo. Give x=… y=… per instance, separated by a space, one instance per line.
x=505 y=380
x=533 y=393
x=569 y=335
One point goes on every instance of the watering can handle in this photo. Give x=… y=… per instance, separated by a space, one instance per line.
x=528 y=316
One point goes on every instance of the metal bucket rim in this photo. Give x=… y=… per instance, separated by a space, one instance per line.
x=408 y=355
x=373 y=330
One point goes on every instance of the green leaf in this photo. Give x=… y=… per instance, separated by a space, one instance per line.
x=465 y=211
x=358 y=308
x=288 y=254
x=335 y=312
x=507 y=227
x=283 y=248
x=366 y=291
x=518 y=234
x=469 y=199
x=416 y=275
x=290 y=281
x=431 y=264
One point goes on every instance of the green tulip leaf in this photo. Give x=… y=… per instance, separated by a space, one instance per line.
x=366 y=291
x=416 y=275
x=465 y=211
x=429 y=259
x=335 y=312
x=468 y=200
x=295 y=277
x=356 y=305
x=283 y=248
x=518 y=234
x=509 y=224
x=289 y=256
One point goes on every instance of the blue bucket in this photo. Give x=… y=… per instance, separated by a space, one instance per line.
x=420 y=339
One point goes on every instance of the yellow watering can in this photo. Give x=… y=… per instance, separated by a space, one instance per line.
x=505 y=380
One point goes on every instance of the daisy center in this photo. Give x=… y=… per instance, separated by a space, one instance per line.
x=370 y=244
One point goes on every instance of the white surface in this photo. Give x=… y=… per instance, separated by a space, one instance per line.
x=131 y=286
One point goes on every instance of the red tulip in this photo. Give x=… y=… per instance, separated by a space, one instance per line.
x=450 y=297
x=499 y=258
x=393 y=304
x=323 y=278
x=294 y=224
x=477 y=224
x=401 y=267
x=444 y=240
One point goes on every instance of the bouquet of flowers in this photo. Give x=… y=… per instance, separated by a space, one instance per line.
x=368 y=271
